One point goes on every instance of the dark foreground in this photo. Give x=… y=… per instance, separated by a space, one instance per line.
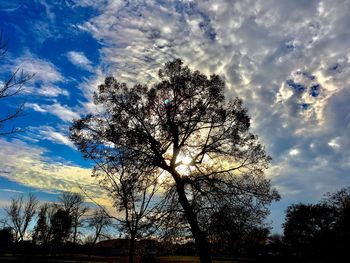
x=73 y=258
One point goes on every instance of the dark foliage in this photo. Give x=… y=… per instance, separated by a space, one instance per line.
x=321 y=231
x=237 y=228
x=60 y=227
x=6 y=238
x=41 y=235
x=308 y=229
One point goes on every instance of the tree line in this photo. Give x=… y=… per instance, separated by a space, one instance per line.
x=311 y=232
x=53 y=224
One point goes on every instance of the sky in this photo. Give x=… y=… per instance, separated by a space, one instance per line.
x=288 y=60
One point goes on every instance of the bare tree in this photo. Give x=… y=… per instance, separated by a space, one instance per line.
x=9 y=88
x=185 y=128
x=73 y=203
x=99 y=221
x=20 y=213
x=134 y=197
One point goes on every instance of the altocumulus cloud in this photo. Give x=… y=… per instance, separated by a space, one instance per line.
x=288 y=60
x=47 y=76
x=80 y=60
x=64 y=112
x=56 y=135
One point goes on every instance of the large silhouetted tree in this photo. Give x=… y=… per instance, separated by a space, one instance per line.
x=185 y=127
x=11 y=87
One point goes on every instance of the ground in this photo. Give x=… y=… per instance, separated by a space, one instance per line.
x=84 y=259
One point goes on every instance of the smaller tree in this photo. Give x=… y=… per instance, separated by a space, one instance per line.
x=237 y=229
x=73 y=203
x=53 y=226
x=340 y=202
x=320 y=231
x=6 y=238
x=99 y=221
x=133 y=194
x=20 y=213
x=61 y=225
x=308 y=229
x=41 y=235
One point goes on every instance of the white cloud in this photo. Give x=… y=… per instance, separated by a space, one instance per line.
x=80 y=60
x=46 y=78
x=50 y=91
x=334 y=143
x=88 y=86
x=44 y=71
x=49 y=133
x=58 y=137
x=36 y=107
x=10 y=190
x=64 y=112
x=254 y=46
x=294 y=152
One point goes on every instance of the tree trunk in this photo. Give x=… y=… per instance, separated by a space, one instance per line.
x=198 y=235
x=75 y=234
x=132 y=249
x=95 y=240
x=200 y=238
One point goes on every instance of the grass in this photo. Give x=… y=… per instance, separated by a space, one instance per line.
x=64 y=258
x=82 y=258
x=187 y=259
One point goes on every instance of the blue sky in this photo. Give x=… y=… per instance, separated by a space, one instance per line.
x=288 y=60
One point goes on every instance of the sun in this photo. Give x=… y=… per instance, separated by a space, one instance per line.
x=184 y=159
x=184 y=162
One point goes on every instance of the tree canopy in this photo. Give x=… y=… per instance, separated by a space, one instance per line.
x=185 y=128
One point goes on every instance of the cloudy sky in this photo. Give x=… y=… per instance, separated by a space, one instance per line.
x=288 y=60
